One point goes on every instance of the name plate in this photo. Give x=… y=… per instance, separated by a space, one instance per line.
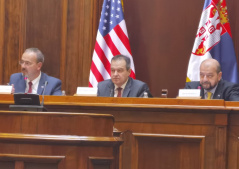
x=86 y=91
x=5 y=89
x=189 y=93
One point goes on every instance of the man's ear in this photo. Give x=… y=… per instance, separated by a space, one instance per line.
x=129 y=71
x=219 y=75
x=39 y=65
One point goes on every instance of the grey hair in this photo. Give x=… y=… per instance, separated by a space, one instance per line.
x=122 y=57
x=39 y=54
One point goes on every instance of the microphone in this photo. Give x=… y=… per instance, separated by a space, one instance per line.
x=42 y=102
x=111 y=92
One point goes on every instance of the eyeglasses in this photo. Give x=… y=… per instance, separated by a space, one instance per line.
x=27 y=63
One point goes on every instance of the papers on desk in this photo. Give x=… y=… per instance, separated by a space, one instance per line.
x=86 y=91
x=5 y=89
x=189 y=93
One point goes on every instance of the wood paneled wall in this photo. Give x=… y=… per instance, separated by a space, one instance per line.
x=161 y=35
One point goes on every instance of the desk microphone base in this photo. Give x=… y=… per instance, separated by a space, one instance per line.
x=27 y=108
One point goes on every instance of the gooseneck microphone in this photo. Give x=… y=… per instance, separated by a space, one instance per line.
x=43 y=93
x=111 y=92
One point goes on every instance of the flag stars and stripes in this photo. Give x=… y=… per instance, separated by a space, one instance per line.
x=112 y=11
x=112 y=39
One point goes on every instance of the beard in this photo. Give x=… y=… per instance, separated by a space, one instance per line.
x=207 y=85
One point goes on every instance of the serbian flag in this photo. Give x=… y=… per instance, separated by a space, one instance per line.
x=112 y=39
x=214 y=40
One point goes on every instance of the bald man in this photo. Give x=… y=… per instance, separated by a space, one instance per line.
x=211 y=83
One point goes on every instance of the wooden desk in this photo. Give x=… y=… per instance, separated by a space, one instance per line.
x=163 y=133
x=233 y=134
x=51 y=140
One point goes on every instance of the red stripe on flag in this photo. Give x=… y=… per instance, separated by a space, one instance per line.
x=125 y=40
x=111 y=45
x=102 y=57
x=96 y=72
x=90 y=85
x=228 y=29
x=132 y=74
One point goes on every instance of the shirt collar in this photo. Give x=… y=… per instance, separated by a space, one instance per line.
x=35 y=81
x=212 y=90
x=123 y=86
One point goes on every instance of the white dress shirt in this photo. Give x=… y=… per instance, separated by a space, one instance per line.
x=35 y=84
x=116 y=91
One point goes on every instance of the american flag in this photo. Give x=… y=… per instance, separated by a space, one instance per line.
x=112 y=39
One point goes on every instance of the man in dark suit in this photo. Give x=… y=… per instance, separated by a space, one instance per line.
x=32 y=80
x=120 y=84
x=211 y=83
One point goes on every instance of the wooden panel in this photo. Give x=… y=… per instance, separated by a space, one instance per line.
x=233 y=13
x=2 y=31
x=51 y=123
x=233 y=137
x=101 y=162
x=63 y=43
x=43 y=27
x=12 y=20
x=32 y=161
x=31 y=158
x=7 y=165
x=168 y=151
x=40 y=166
x=161 y=37
x=82 y=26
x=71 y=148
x=19 y=165
x=221 y=141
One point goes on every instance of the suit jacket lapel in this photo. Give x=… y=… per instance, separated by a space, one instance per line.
x=202 y=93
x=41 y=84
x=218 y=92
x=21 y=88
x=127 y=88
x=110 y=91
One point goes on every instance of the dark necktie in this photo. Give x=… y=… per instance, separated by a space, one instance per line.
x=119 y=91
x=30 y=87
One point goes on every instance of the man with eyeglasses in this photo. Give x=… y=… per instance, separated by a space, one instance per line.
x=211 y=83
x=31 y=79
